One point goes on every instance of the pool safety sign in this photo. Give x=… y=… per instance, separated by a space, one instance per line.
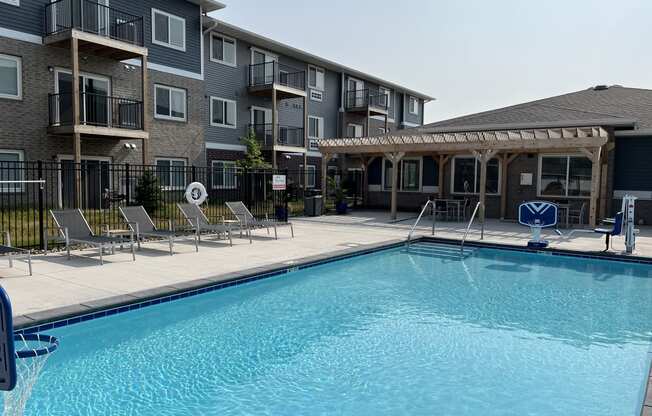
x=278 y=182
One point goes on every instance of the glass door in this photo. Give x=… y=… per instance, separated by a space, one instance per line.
x=94 y=108
x=356 y=93
x=95 y=17
x=261 y=118
x=95 y=185
x=263 y=67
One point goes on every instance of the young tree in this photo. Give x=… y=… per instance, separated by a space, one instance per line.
x=254 y=156
x=148 y=191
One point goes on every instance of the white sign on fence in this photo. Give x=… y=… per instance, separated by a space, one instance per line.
x=278 y=182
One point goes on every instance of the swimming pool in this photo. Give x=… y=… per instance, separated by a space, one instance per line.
x=421 y=333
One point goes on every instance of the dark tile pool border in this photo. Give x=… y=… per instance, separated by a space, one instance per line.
x=69 y=315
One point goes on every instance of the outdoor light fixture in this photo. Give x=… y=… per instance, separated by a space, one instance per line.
x=130 y=146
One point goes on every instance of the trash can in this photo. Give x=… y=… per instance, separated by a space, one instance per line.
x=312 y=205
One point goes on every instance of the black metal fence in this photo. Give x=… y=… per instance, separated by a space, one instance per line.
x=28 y=190
x=92 y=17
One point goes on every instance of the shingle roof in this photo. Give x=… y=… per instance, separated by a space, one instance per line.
x=612 y=105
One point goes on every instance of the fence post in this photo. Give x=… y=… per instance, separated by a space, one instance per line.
x=127 y=184
x=287 y=207
x=193 y=173
x=41 y=219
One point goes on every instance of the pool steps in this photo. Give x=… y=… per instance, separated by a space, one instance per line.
x=440 y=250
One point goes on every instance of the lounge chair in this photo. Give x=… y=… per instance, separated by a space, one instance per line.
x=72 y=227
x=613 y=231
x=140 y=222
x=15 y=253
x=200 y=223
x=248 y=222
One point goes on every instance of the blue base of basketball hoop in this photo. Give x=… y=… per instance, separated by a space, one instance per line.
x=537 y=215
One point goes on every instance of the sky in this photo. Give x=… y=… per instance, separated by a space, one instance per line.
x=471 y=55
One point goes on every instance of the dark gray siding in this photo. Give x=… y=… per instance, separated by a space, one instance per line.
x=633 y=170
x=29 y=18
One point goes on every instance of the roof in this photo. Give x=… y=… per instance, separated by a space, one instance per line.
x=208 y=5
x=526 y=140
x=290 y=51
x=611 y=106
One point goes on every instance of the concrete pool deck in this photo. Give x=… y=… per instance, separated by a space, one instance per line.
x=61 y=287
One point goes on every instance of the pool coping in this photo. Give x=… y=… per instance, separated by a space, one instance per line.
x=85 y=311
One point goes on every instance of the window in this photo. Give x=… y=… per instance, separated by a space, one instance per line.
x=10 y=77
x=11 y=170
x=466 y=175
x=409 y=175
x=354 y=130
x=168 y=30
x=315 y=131
x=171 y=173
x=224 y=174
x=414 y=106
x=316 y=78
x=223 y=112
x=311 y=174
x=170 y=103
x=223 y=49
x=565 y=176
x=388 y=96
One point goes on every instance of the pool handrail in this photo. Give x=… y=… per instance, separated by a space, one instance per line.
x=409 y=236
x=468 y=227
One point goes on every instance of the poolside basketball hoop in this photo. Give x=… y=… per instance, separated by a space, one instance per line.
x=537 y=215
x=23 y=357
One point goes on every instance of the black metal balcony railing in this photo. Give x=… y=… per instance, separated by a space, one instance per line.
x=89 y=16
x=269 y=73
x=365 y=98
x=287 y=135
x=96 y=110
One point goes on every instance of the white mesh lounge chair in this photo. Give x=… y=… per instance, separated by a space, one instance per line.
x=140 y=222
x=200 y=223
x=248 y=222
x=15 y=253
x=72 y=227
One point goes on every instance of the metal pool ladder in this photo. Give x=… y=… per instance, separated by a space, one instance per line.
x=409 y=236
x=468 y=227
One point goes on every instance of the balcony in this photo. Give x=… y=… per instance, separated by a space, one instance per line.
x=366 y=101
x=287 y=136
x=101 y=30
x=99 y=115
x=288 y=82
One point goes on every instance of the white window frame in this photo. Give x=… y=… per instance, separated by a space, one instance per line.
x=475 y=173
x=313 y=176
x=11 y=2
x=169 y=16
x=356 y=125
x=400 y=179
x=19 y=77
x=568 y=156
x=170 y=89
x=320 y=132
x=416 y=105
x=15 y=188
x=235 y=50
x=224 y=174
x=172 y=159
x=235 y=113
x=388 y=94
x=317 y=85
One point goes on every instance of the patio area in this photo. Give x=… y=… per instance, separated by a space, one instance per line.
x=61 y=287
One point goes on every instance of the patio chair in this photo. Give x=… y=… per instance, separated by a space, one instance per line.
x=140 y=222
x=576 y=215
x=15 y=253
x=72 y=227
x=200 y=223
x=440 y=208
x=248 y=222
x=615 y=230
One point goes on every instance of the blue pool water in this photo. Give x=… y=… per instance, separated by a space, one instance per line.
x=389 y=333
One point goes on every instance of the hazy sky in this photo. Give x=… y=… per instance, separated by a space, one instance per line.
x=472 y=55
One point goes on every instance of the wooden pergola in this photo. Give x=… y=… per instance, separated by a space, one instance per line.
x=484 y=145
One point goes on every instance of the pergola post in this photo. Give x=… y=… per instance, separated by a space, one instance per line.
x=441 y=165
x=594 y=155
x=395 y=158
x=483 y=156
x=506 y=160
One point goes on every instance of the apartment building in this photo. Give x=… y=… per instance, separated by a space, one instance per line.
x=94 y=82
x=289 y=98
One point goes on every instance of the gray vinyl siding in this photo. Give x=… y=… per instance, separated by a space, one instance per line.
x=633 y=170
x=231 y=83
x=29 y=17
